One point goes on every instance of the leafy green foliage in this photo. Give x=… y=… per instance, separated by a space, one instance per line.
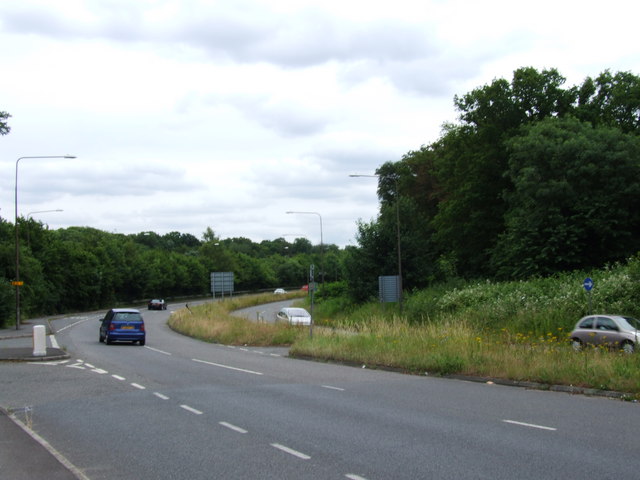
x=575 y=202
x=4 y=125
x=536 y=178
x=81 y=268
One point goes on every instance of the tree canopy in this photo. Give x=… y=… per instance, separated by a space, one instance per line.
x=4 y=125
x=82 y=268
x=535 y=178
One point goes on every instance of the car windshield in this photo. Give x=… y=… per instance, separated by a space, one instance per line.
x=127 y=317
x=632 y=323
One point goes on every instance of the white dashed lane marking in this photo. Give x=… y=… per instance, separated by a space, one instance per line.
x=291 y=451
x=530 y=425
x=191 y=409
x=228 y=367
x=233 y=427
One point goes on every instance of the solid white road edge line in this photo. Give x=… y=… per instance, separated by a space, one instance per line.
x=227 y=367
x=233 y=427
x=291 y=451
x=531 y=425
x=58 y=456
x=73 y=324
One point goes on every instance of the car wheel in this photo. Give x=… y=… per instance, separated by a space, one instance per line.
x=107 y=340
x=576 y=344
x=628 y=347
x=142 y=342
x=101 y=339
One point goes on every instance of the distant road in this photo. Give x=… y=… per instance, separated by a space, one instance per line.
x=264 y=313
x=180 y=408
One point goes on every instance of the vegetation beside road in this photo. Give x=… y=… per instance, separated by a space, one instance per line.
x=213 y=322
x=505 y=330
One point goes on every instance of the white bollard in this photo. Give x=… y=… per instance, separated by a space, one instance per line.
x=39 y=341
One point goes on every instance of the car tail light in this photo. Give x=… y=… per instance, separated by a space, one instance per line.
x=112 y=326
x=142 y=327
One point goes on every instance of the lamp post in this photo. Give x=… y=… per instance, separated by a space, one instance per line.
x=33 y=213
x=397 y=235
x=321 y=244
x=17 y=282
x=44 y=211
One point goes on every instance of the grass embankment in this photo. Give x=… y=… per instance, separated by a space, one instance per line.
x=511 y=330
x=456 y=348
x=212 y=322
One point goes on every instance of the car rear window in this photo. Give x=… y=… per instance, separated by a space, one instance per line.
x=127 y=317
x=632 y=322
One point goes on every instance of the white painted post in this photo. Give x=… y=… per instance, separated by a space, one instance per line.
x=39 y=341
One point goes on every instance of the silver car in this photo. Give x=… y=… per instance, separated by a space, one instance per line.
x=294 y=316
x=615 y=331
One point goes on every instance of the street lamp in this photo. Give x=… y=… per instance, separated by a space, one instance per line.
x=395 y=178
x=17 y=281
x=44 y=211
x=321 y=245
x=33 y=213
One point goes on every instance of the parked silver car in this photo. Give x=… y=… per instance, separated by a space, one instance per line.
x=294 y=316
x=614 y=331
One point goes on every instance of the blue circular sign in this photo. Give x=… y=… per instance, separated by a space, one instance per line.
x=587 y=284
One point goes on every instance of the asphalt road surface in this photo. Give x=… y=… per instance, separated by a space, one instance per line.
x=178 y=408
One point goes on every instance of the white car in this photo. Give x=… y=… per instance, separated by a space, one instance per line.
x=294 y=316
x=280 y=291
x=615 y=331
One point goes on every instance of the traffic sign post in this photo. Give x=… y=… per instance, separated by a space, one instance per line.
x=588 y=286
x=312 y=288
x=222 y=282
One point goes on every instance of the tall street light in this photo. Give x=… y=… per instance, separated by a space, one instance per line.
x=395 y=178
x=33 y=213
x=321 y=244
x=17 y=282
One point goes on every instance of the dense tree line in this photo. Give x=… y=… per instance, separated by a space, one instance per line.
x=81 y=268
x=535 y=178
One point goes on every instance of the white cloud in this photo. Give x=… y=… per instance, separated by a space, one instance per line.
x=193 y=114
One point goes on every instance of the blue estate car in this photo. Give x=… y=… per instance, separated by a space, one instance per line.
x=122 y=324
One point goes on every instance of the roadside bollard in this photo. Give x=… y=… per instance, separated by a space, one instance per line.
x=39 y=341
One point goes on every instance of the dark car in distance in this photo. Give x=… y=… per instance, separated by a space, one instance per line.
x=157 y=304
x=122 y=325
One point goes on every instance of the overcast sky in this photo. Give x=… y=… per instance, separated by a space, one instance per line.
x=188 y=114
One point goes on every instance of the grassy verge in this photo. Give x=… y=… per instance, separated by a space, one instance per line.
x=212 y=322
x=455 y=348
x=511 y=330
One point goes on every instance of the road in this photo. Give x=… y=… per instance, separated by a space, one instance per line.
x=183 y=409
x=263 y=313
